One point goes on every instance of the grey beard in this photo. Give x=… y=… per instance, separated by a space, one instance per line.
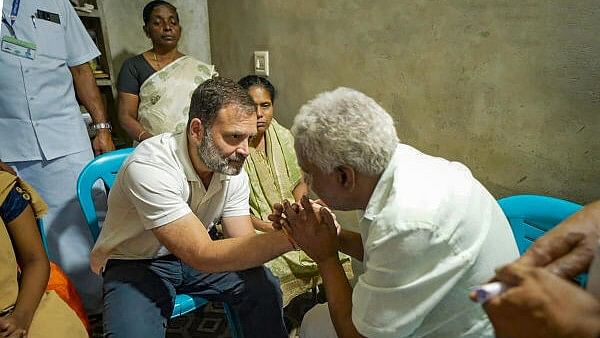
x=214 y=159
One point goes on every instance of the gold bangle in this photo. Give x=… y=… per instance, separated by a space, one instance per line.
x=140 y=135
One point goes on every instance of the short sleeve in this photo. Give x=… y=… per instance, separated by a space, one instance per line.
x=394 y=295
x=79 y=44
x=128 y=79
x=238 y=195
x=15 y=202
x=157 y=194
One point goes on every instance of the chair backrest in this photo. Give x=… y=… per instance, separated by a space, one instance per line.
x=40 y=224
x=530 y=216
x=104 y=167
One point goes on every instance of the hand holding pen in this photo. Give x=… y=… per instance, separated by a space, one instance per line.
x=534 y=302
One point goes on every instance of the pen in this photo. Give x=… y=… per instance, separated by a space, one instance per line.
x=485 y=292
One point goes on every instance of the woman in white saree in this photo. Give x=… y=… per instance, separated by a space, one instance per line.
x=155 y=87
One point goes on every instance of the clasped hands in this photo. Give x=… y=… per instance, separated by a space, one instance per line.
x=311 y=225
x=13 y=326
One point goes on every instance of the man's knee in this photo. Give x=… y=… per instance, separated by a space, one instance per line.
x=259 y=283
x=134 y=296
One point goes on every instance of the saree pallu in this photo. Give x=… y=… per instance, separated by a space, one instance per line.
x=273 y=176
x=53 y=317
x=165 y=95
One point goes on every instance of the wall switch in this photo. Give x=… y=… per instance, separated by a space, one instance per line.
x=261 y=63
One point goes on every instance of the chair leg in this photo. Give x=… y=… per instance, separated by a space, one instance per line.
x=233 y=322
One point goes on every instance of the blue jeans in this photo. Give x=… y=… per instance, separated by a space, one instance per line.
x=139 y=296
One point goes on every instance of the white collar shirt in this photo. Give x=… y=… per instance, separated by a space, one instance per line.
x=156 y=186
x=430 y=232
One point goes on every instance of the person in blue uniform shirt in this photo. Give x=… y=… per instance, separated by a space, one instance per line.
x=43 y=63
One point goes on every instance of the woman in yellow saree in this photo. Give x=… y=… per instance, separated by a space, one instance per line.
x=275 y=176
x=155 y=87
x=26 y=309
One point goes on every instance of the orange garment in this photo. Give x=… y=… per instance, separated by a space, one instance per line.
x=60 y=283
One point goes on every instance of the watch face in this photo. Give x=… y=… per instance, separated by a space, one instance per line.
x=103 y=125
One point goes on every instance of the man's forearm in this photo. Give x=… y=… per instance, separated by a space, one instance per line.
x=88 y=92
x=351 y=244
x=339 y=298
x=241 y=253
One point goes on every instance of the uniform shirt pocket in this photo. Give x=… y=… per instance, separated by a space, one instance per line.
x=51 y=39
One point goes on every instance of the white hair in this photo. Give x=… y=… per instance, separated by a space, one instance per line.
x=345 y=127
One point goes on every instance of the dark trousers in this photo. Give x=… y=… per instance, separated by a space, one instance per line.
x=139 y=296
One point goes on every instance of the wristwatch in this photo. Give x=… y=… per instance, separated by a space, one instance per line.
x=102 y=125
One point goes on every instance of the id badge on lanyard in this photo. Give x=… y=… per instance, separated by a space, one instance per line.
x=10 y=43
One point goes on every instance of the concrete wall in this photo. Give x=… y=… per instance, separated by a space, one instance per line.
x=510 y=88
x=127 y=38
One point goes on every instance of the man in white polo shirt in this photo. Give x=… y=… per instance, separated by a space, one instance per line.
x=429 y=230
x=169 y=194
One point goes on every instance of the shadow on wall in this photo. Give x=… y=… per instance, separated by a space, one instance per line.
x=118 y=62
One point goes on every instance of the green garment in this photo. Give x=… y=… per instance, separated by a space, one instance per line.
x=273 y=177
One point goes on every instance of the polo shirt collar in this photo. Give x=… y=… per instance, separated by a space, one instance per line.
x=181 y=151
x=378 y=198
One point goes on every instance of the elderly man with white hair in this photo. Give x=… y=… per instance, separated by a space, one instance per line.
x=429 y=231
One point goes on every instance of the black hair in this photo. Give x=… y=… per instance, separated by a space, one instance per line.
x=152 y=5
x=214 y=94
x=254 y=80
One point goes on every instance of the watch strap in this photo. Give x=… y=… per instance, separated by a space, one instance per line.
x=102 y=125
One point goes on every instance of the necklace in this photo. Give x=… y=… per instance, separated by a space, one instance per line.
x=156 y=60
x=166 y=59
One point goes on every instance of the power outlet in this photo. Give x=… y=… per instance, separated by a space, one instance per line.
x=261 y=63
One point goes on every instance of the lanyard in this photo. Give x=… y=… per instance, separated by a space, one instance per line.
x=14 y=12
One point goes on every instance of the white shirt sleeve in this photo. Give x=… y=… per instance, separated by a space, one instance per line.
x=237 y=201
x=396 y=293
x=156 y=193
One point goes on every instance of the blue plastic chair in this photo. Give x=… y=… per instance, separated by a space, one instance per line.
x=106 y=167
x=40 y=224
x=530 y=216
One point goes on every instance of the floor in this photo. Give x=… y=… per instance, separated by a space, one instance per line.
x=211 y=321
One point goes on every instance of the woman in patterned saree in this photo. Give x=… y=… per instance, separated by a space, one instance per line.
x=275 y=176
x=155 y=87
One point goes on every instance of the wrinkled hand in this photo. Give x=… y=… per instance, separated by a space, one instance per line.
x=541 y=304
x=10 y=326
x=568 y=249
x=277 y=216
x=103 y=142
x=7 y=168
x=314 y=232
x=316 y=205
